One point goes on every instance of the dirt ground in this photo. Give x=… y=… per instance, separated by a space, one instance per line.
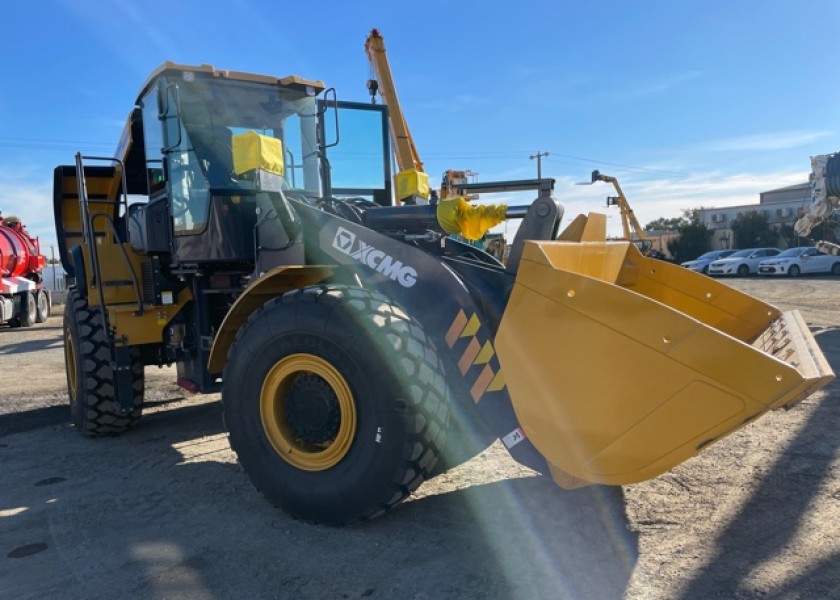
x=165 y=511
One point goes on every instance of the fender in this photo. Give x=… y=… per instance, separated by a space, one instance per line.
x=277 y=281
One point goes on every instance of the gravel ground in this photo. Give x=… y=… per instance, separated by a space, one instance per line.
x=165 y=511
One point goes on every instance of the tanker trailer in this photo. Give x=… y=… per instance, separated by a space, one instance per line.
x=23 y=298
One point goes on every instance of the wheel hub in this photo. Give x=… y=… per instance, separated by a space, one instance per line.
x=312 y=409
x=308 y=412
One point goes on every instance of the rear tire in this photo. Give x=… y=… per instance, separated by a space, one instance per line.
x=335 y=402
x=793 y=271
x=90 y=378
x=835 y=268
x=28 y=309
x=43 y=307
x=743 y=270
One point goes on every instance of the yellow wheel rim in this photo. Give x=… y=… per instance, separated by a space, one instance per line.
x=288 y=443
x=70 y=362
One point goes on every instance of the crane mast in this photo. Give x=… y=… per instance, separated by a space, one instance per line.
x=628 y=217
x=411 y=181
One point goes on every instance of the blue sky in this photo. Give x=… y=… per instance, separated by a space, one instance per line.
x=688 y=103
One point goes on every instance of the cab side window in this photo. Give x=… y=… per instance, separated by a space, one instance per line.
x=153 y=136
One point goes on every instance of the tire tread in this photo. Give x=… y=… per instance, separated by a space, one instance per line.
x=98 y=414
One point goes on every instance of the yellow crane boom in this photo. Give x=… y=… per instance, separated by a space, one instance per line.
x=411 y=180
x=628 y=217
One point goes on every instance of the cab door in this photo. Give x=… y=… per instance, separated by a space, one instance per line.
x=357 y=150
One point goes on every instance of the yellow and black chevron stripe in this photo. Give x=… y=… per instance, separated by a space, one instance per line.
x=477 y=362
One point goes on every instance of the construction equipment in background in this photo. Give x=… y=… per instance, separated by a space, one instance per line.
x=24 y=300
x=349 y=338
x=496 y=245
x=411 y=182
x=825 y=199
x=633 y=231
x=451 y=180
x=828 y=248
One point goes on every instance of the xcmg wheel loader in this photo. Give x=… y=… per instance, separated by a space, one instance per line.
x=246 y=232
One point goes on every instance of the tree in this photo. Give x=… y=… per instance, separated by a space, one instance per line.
x=788 y=235
x=752 y=230
x=666 y=224
x=693 y=239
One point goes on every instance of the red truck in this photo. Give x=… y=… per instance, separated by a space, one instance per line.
x=23 y=298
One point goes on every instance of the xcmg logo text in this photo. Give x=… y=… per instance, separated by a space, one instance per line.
x=346 y=242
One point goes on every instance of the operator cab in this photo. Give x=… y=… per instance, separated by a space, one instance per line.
x=190 y=117
x=188 y=120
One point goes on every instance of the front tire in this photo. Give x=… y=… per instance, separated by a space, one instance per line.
x=335 y=402
x=90 y=378
x=43 y=307
x=743 y=270
x=793 y=271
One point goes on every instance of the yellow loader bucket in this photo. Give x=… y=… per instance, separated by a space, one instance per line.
x=620 y=367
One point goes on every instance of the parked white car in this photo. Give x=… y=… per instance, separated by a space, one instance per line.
x=796 y=261
x=702 y=262
x=742 y=262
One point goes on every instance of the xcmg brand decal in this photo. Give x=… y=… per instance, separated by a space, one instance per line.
x=346 y=242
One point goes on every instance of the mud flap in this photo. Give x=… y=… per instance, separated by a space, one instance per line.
x=620 y=367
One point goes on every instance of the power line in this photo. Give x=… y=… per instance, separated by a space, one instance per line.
x=614 y=164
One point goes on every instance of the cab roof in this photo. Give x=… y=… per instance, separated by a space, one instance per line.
x=292 y=81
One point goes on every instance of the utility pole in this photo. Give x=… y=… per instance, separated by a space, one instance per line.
x=539 y=156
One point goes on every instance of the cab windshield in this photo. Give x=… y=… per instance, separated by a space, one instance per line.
x=201 y=116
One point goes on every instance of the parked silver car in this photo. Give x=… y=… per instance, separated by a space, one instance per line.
x=702 y=262
x=795 y=261
x=742 y=262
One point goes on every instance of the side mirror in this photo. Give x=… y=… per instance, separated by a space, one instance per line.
x=330 y=102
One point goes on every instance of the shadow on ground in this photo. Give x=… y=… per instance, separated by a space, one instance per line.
x=11 y=347
x=165 y=512
x=767 y=523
